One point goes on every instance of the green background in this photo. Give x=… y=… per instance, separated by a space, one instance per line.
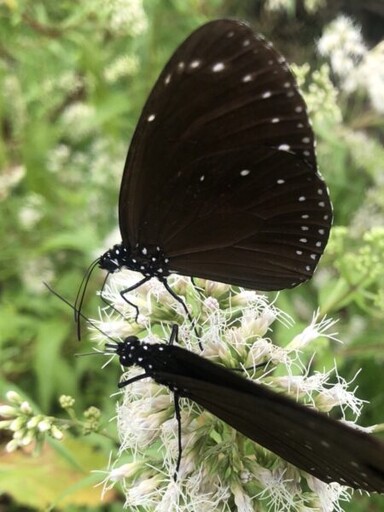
x=67 y=114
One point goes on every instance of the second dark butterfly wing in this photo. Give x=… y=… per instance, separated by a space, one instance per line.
x=325 y=448
x=221 y=172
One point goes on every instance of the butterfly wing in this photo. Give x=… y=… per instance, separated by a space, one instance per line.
x=221 y=172
x=321 y=446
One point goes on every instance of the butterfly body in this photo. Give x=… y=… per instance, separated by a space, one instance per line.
x=312 y=441
x=149 y=261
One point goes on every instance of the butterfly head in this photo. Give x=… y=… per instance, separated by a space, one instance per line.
x=127 y=350
x=115 y=258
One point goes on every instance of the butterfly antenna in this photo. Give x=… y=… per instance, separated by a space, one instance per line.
x=96 y=352
x=81 y=295
x=78 y=313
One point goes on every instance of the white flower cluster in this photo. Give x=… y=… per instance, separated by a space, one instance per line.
x=342 y=42
x=220 y=469
x=371 y=76
x=127 y=16
x=355 y=65
x=26 y=426
x=79 y=120
x=289 y=5
x=125 y=65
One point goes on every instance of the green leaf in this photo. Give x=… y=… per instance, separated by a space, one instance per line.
x=52 y=480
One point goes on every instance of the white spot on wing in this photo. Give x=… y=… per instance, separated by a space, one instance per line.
x=151 y=118
x=219 y=66
x=266 y=94
x=195 y=64
x=284 y=147
x=244 y=172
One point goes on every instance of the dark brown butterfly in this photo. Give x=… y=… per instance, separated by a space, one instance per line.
x=312 y=441
x=220 y=180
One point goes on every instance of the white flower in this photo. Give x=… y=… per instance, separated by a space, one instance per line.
x=309 y=5
x=10 y=177
x=7 y=411
x=313 y=331
x=343 y=44
x=125 y=65
x=329 y=495
x=371 y=76
x=14 y=397
x=279 y=490
x=127 y=16
x=25 y=408
x=31 y=211
x=79 y=120
x=44 y=425
x=56 y=433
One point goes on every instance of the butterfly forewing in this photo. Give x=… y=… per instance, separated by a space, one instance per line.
x=221 y=172
x=312 y=441
x=323 y=447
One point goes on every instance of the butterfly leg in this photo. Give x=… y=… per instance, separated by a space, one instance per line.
x=180 y=300
x=130 y=289
x=174 y=334
x=178 y=418
x=132 y=380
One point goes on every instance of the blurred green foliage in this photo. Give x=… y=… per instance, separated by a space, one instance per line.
x=73 y=78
